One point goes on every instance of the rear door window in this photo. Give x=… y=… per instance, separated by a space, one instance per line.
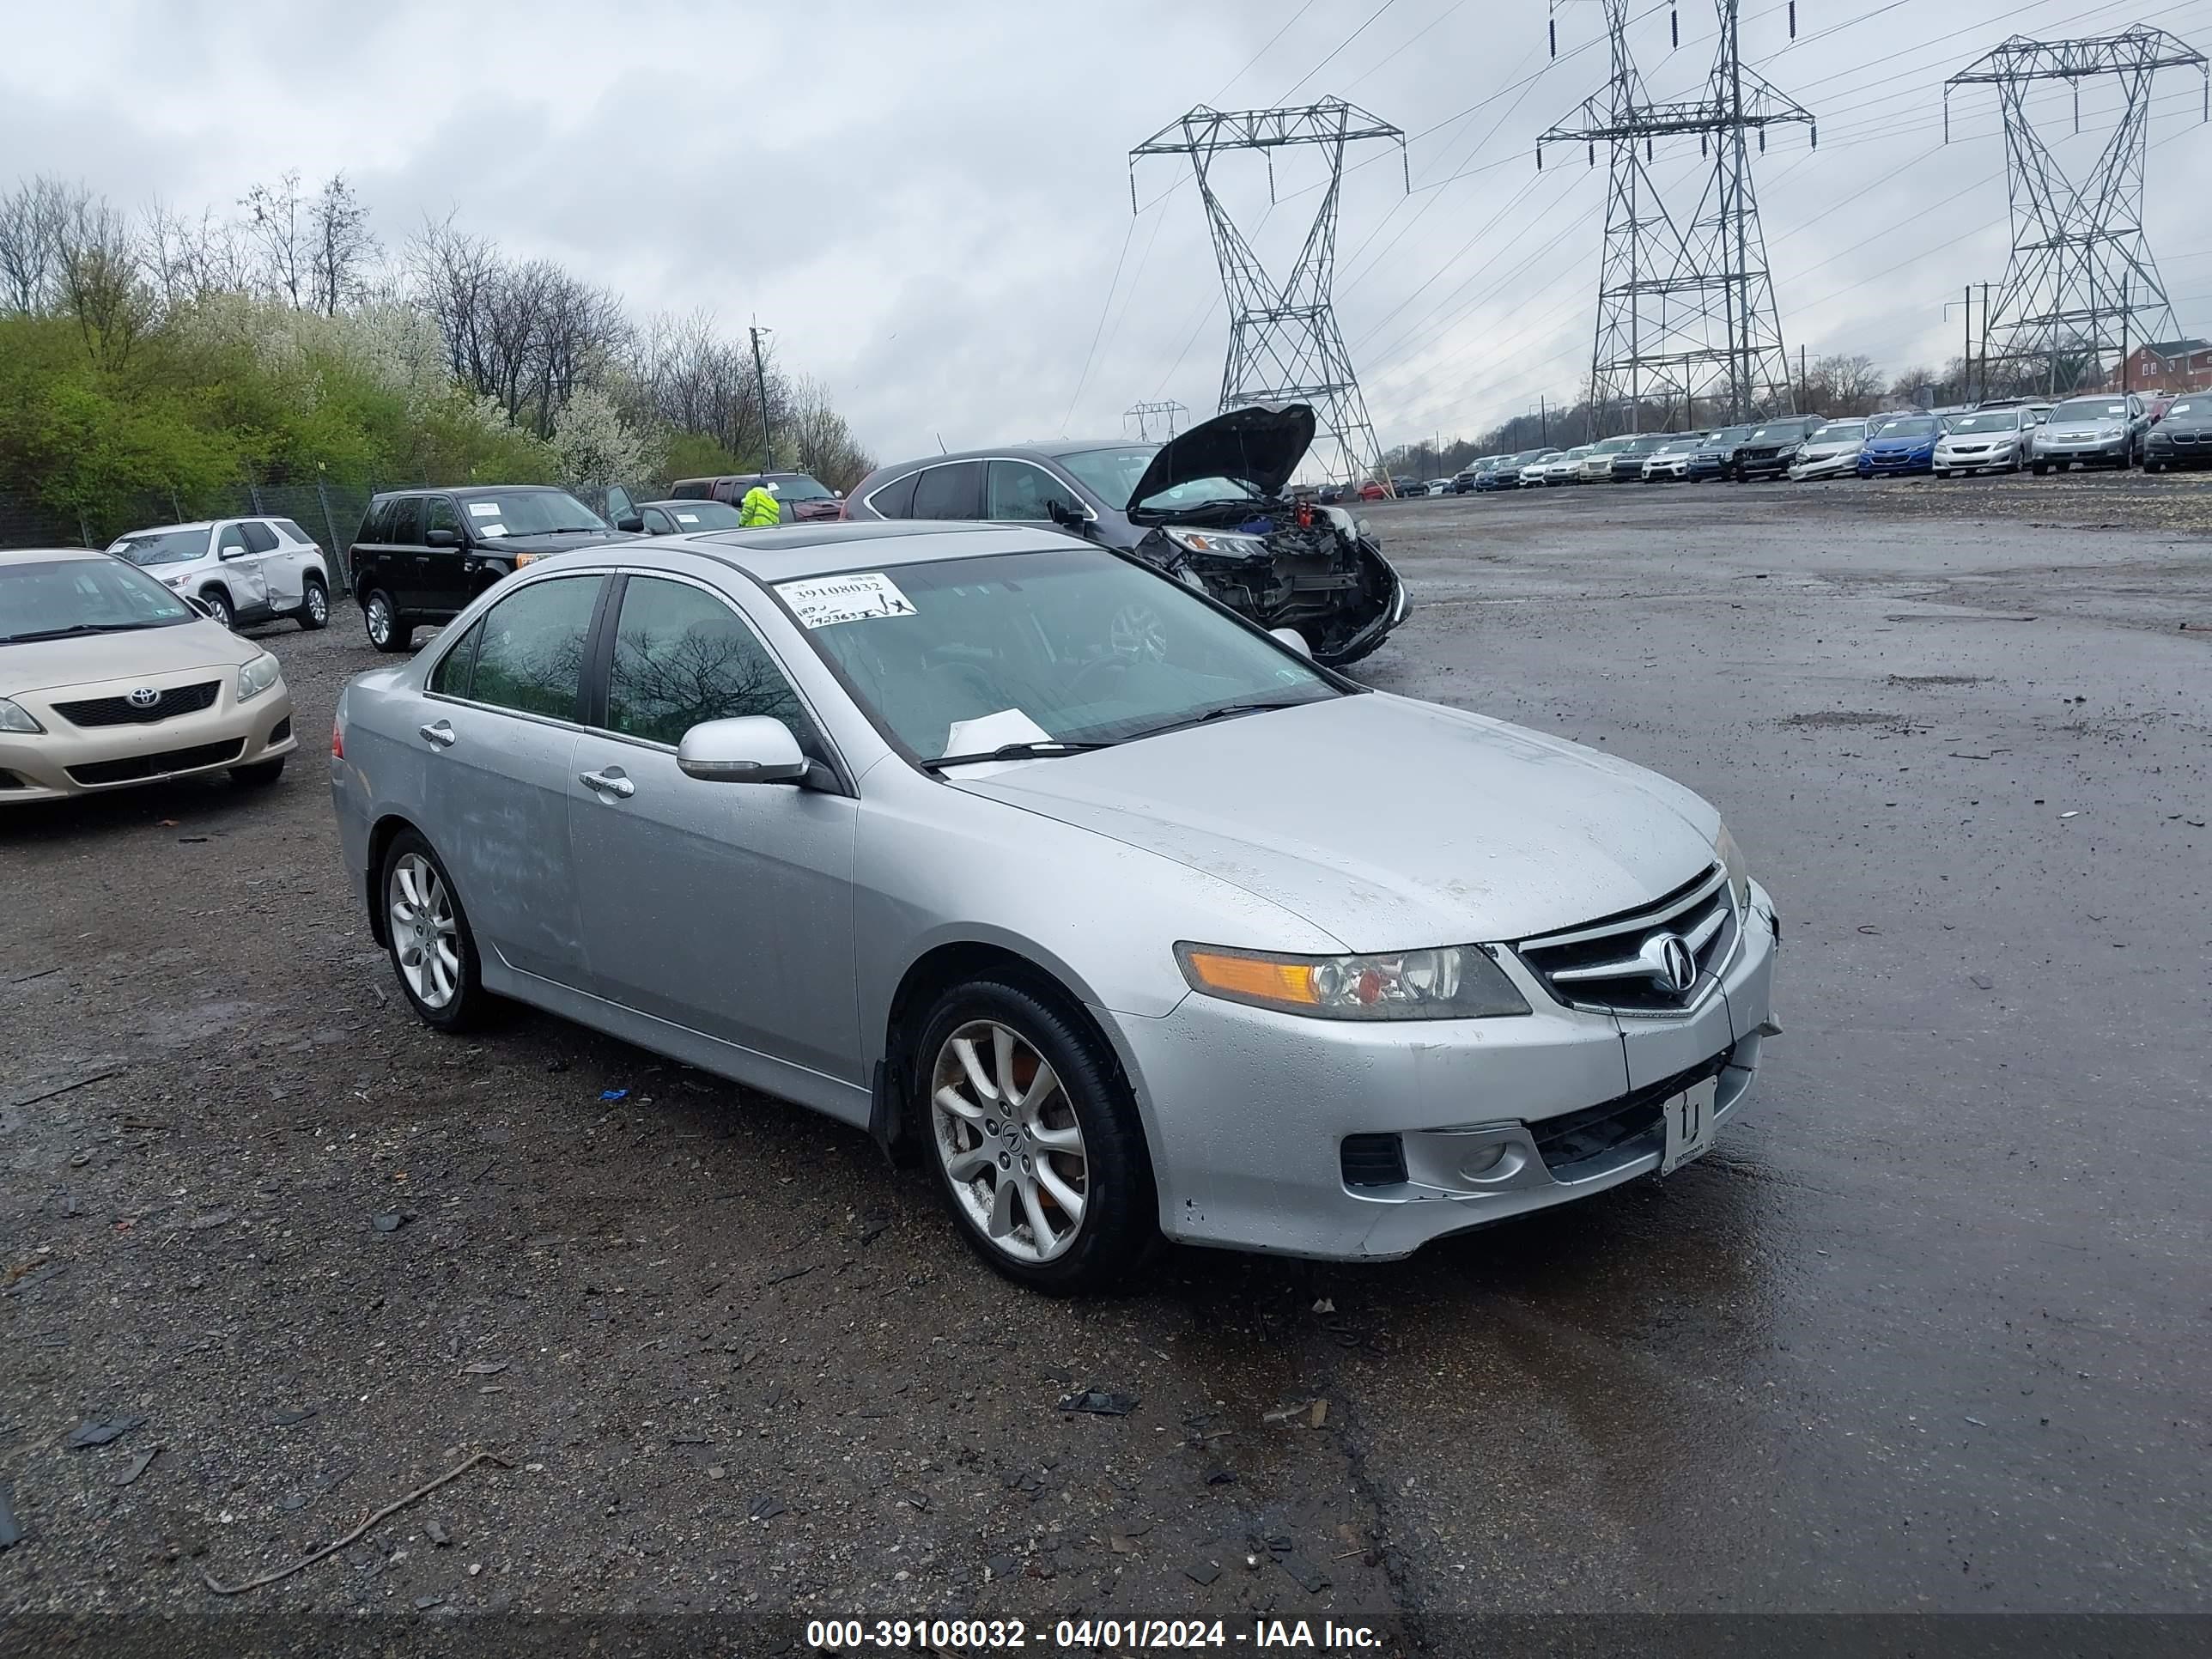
x=530 y=654
x=951 y=491
x=896 y=499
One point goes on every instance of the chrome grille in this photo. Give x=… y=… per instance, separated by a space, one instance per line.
x=1618 y=964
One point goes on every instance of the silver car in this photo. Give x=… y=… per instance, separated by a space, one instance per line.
x=243 y=570
x=1121 y=915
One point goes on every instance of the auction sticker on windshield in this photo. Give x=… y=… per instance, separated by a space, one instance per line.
x=822 y=601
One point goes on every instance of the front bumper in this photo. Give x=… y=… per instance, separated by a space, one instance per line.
x=67 y=759
x=1248 y=1111
x=1895 y=465
x=2109 y=451
x=1978 y=460
x=1843 y=464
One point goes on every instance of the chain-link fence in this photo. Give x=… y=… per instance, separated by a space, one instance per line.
x=330 y=513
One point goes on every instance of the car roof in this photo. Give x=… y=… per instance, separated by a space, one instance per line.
x=170 y=529
x=47 y=554
x=687 y=502
x=469 y=489
x=830 y=545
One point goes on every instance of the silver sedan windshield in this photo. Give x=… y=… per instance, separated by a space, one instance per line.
x=968 y=656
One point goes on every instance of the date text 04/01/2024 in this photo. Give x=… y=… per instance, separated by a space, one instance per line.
x=1089 y=1635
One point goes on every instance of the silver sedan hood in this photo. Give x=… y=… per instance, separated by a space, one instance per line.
x=1388 y=823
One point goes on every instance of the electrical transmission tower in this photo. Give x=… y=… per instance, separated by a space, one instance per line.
x=1686 y=311
x=1145 y=414
x=1284 y=345
x=2080 y=278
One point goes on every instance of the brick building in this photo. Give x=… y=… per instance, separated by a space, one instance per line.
x=2172 y=366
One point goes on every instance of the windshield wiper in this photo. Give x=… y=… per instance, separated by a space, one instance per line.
x=1009 y=751
x=75 y=628
x=1227 y=711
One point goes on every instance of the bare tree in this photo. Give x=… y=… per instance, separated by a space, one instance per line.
x=33 y=218
x=273 y=219
x=343 y=248
x=103 y=283
x=824 y=442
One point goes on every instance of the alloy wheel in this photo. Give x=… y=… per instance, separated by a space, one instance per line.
x=318 y=603
x=425 y=936
x=379 y=619
x=1009 y=1141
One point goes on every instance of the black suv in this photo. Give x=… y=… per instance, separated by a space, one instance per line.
x=1766 y=453
x=420 y=555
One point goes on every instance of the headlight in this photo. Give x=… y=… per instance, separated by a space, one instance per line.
x=521 y=559
x=1739 y=870
x=14 y=717
x=172 y=581
x=257 y=677
x=1218 y=545
x=1453 y=983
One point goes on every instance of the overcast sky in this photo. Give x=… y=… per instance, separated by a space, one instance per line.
x=930 y=204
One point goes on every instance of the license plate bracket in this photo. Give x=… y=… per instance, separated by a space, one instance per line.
x=1689 y=1119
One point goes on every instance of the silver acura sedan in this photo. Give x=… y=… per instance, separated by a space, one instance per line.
x=1119 y=913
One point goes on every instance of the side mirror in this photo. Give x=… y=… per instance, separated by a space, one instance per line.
x=200 y=607
x=751 y=749
x=442 y=538
x=1293 y=638
x=228 y=553
x=631 y=524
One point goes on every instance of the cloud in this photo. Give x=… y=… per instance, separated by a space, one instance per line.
x=930 y=205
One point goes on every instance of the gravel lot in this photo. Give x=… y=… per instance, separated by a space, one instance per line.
x=1927 y=1332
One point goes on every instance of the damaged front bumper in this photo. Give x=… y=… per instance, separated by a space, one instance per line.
x=1346 y=1140
x=1326 y=579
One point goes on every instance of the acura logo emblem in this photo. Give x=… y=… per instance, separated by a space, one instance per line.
x=1669 y=959
x=144 y=696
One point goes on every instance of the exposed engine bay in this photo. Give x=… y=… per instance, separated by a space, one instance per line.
x=1291 y=564
x=1214 y=509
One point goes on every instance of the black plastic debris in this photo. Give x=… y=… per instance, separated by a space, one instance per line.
x=1202 y=1573
x=391 y=1222
x=86 y=1436
x=1310 y=1578
x=138 y=1466
x=11 y=1530
x=767 y=1508
x=1099 y=1403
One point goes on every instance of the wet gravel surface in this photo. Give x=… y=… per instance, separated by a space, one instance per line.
x=1926 y=1331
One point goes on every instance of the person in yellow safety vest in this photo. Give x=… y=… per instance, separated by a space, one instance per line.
x=759 y=509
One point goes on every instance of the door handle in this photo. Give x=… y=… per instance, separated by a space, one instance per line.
x=610 y=783
x=442 y=733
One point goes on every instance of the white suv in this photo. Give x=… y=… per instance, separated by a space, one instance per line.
x=243 y=570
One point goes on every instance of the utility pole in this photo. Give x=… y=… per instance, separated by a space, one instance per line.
x=1966 y=356
x=2125 y=367
x=1543 y=420
x=1284 y=343
x=2079 y=254
x=1684 y=298
x=1985 y=342
x=760 y=377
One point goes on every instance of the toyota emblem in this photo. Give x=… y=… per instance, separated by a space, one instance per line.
x=144 y=696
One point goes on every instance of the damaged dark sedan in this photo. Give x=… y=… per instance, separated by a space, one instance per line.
x=1211 y=507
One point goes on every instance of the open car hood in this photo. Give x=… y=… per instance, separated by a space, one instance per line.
x=1260 y=445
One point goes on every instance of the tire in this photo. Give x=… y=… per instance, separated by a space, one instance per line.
x=219 y=602
x=2151 y=466
x=387 y=629
x=1941 y=471
x=1119 y=1222
x=413 y=884
x=2041 y=469
x=314 y=611
x=260 y=775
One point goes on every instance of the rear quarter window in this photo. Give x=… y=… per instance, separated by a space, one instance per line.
x=896 y=499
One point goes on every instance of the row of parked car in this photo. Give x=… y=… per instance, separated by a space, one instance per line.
x=2116 y=429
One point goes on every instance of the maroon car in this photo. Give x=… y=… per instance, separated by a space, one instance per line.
x=802 y=498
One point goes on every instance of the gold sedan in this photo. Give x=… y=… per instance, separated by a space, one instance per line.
x=108 y=679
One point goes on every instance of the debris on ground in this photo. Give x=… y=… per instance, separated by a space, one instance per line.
x=1309 y=1578
x=1324 y=1306
x=767 y=1508
x=614 y=1094
x=1202 y=1573
x=138 y=1466
x=1292 y=1413
x=358 y=1533
x=1098 y=1402
x=88 y=1434
x=1983 y=981
x=390 y=1222
x=11 y=1530
x=435 y=1532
